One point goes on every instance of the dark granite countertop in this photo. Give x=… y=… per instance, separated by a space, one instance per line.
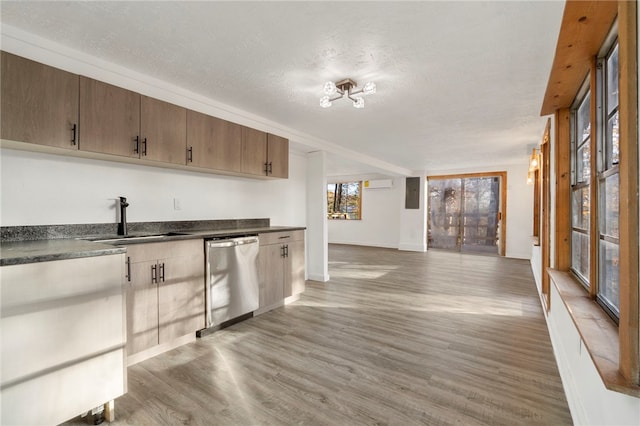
x=32 y=251
x=20 y=252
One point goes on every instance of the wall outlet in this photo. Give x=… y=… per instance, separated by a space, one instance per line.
x=177 y=205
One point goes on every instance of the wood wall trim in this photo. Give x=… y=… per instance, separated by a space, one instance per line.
x=585 y=25
x=629 y=299
x=545 y=164
x=594 y=247
x=503 y=199
x=562 y=258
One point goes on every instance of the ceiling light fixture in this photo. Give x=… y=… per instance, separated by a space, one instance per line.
x=347 y=87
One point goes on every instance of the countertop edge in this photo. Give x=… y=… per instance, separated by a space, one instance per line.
x=88 y=248
x=62 y=255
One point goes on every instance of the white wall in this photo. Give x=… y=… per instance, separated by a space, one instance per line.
x=380 y=223
x=589 y=401
x=413 y=222
x=39 y=189
x=519 y=205
x=317 y=228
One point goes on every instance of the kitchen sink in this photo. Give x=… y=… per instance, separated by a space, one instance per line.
x=134 y=237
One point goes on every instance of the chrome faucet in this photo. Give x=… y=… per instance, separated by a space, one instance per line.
x=122 y=225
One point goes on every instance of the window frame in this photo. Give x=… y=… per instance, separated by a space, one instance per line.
x=359 y=201
x=603 y=170
x=580 y=185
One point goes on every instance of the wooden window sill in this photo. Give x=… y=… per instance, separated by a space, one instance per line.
x=598 y=332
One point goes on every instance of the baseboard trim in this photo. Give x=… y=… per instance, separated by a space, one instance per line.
x=413 y=247
x=318 y=277
x=158 y=349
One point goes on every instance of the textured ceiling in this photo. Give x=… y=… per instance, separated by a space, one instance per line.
x=460 y=84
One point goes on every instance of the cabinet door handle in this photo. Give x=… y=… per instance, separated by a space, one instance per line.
x=154 y=274
x=266 y=168
x=162 y=272
x=190 y=155
x=286 y=250
x=128 y=262
x=282 y=251
x=136 y=148
x=270 y=168
x=74 y=131
x=144 y=146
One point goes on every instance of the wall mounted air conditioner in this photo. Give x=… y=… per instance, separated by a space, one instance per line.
x=378 y=184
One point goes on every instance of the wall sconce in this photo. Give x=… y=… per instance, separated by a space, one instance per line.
x=534 y=160
x=534 y=164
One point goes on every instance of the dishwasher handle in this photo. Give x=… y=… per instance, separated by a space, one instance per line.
x=232 y=242
x=246 y=240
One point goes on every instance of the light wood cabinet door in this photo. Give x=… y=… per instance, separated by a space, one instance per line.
x=163 y=129
x=109 y=119
x=254 y=151
x=181 y=303
x=277 y=156
x=165 y=292
x=213 y=143
x=39 y=103
x=142 y=306
x=271 y=282
x=294 y=268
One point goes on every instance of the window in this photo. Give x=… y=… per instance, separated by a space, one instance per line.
x=613 y=212
x=603 y=217
x=343 y=200
x=608 y=183
x=580 y=186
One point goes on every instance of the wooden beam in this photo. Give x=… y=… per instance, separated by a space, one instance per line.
x=585 y=25
x=545 y=168
x=629 y=299
x=562 y=258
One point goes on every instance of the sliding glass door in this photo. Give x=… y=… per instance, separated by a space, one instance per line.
x=464 y=213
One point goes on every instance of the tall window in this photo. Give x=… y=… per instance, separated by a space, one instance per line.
x=343 y=200
x=580 y=188
x=608 y=183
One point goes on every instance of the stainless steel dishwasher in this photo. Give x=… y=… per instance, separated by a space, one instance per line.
x=232 y=278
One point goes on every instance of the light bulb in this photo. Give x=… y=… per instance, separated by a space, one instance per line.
x=325 y=102
x=358 y=103
x=329 y=88
x=369 y=88
x=534 y=163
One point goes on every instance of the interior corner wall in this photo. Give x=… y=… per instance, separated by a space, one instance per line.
x=46 y=189
x=413 y=222
x=380 y=223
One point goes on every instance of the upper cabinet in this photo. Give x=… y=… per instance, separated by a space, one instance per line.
x=109 y=119
x=39 y=103
x=213 y=143
x=264 y=154
x=254 y=151
x=163 y=131
x=277 y=156
x=42 y=105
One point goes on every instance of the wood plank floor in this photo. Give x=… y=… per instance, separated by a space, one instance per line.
x=395 y=338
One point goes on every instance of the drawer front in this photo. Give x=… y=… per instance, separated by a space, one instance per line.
x=280 y=237
x=153 y=251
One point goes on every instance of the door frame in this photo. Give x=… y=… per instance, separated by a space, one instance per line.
x=503 y=199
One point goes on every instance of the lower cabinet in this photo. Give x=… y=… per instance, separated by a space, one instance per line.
x=63 y=338
x=165 y=293
x=281 y=267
